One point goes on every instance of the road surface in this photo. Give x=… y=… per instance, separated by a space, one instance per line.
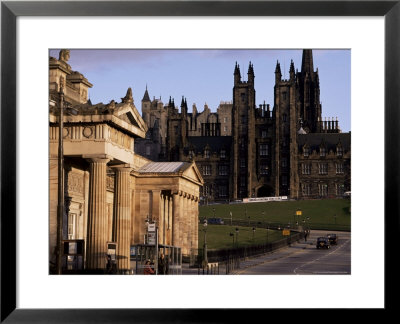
x=303 y=258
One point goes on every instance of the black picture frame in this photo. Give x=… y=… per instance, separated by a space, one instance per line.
x=10 y=10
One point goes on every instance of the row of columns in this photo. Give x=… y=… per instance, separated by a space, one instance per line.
x=185 y=224
x=96 y=249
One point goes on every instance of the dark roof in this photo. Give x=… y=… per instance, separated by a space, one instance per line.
x=330 y=140
x=216 y=143
x=146 y=96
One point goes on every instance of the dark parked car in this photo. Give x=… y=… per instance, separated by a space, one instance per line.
x=333 y=238
x=216 y=221
x=323 y=242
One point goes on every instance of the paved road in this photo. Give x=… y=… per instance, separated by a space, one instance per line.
x=303 y=258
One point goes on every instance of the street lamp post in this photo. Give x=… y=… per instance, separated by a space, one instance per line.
x=205 y=242
x=233 y=239
x=237 y=236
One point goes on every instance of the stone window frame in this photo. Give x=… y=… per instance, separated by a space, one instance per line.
x=207 y=153
x=207 y=170
x=339 y=151
x=340 y=168
x=323 y=189
x=264 y=133
x=306 y=151
x=340 y=189
x=223 y=170
x=306 y=189
x=306 y=168
x=222 y=154
x=264 y=149
x=323 y=168
x=222 y=191
x=264 y=169
x=322 y=151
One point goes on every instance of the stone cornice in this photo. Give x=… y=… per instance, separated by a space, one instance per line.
x=111 y=119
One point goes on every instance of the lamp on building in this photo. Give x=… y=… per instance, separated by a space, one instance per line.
x=254 y=230
x=205 y=242
x=60 y=203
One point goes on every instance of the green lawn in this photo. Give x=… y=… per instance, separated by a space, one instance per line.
x=218 y=236
x=325 y=213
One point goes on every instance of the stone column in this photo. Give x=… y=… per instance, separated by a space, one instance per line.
x=184 y=228
x=196 y=221
x=170 y=221
x=156 y=211
x=97 y=227
x=176 y=201
x=190 y=223
x=122 y=216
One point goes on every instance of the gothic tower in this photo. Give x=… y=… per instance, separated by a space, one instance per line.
x=309 y=93
x=243 y=132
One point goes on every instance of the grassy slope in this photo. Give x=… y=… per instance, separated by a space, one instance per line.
x=320 y=213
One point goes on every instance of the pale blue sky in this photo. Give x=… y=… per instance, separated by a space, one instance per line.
x=206 y=76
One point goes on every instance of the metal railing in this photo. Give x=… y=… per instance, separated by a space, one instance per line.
x=232 y=257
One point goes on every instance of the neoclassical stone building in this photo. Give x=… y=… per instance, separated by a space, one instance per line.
x=109 y=190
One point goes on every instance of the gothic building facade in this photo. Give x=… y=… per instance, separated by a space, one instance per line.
x=247 y=150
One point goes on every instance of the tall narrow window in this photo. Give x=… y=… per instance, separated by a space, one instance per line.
x=206 y=170
x=323 y=168
x=323 y=189
x=71 y=226
x=263 y=149
x=264 y=169
x=223 y=170
x=306 y=168
x=339 y=168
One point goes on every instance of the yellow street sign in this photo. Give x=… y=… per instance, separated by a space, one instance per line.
x=286 y=232
x=298 y=212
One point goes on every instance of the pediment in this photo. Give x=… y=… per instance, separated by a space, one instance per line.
x=128 y=113
x=193 y=173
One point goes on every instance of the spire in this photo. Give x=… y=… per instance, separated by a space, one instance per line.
x=251 y=70
x=278 y=73
x=307 y=64
x=278 y=68
x=146 y=96
x=291 y=70
x=250 y=73
x=236 y=74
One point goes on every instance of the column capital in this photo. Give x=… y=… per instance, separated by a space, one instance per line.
x=99 y=158
x=122 y=167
